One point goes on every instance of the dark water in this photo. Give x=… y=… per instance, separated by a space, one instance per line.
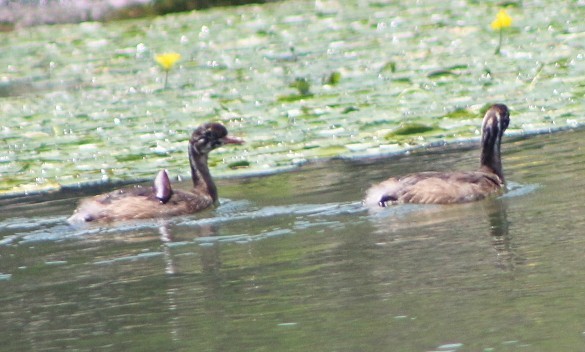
x=292 y=262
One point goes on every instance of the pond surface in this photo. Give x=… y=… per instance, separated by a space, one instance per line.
x=293 y=262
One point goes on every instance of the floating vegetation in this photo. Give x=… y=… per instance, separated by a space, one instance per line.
x=83 y=103
x=302 y=85
x=441 y=73
x=390 y=66
x=460 y=114
x=333 y=78
x=349 y=109
x=408 y=129
x=239 y=164
x=455 y=70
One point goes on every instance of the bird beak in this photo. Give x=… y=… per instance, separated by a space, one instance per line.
x=232 y=140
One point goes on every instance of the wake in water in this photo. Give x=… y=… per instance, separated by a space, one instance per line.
x=280 y=220
x=55 y=228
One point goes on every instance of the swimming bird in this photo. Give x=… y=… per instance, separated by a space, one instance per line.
x=452 y=187
x=160 y=200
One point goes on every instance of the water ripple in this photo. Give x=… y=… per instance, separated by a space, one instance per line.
x=306 y=215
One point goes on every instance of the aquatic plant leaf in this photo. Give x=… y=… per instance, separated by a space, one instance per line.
x=459 y=114
x=302 y=85
x=409 y=129
x=239 y=164
x=441 y=73
x=390 y=66
x=333 y=78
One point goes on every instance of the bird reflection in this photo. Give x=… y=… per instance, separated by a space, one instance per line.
x=403 y=223
x=208 y=253
x=177 y=269
x=500 y=236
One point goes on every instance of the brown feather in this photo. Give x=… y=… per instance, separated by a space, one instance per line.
x=435 y=188
x=451 y=187
x=138 y=203
x=161 y=201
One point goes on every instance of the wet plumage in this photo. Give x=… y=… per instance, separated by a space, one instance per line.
x=452 y=187
x=161 y=200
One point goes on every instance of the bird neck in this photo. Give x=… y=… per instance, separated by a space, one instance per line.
x=490 y=160
x=200 y=174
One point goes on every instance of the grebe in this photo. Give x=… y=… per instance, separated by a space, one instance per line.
x=161 y=200
x=452 y=187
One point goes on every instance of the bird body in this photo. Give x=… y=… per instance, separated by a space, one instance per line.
x=139 y=202
x=160 y=200
x=451 y=187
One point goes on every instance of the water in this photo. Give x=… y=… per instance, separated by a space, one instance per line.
x=292 y=262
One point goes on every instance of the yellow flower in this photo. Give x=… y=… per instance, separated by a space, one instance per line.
x=503 y=20
x=167 y=60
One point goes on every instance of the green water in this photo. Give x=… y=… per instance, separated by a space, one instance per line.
x=85 y=103
x=293 y=262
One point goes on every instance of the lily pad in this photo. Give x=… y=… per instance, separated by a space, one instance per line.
x=239 y=164
x=333 y=78
x=459 y=114
x=390 y=66
x=442 y=73
x=409 y=129
x=294 y=97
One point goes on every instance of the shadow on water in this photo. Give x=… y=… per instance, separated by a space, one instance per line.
x=398 y=220
x=294 y=261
